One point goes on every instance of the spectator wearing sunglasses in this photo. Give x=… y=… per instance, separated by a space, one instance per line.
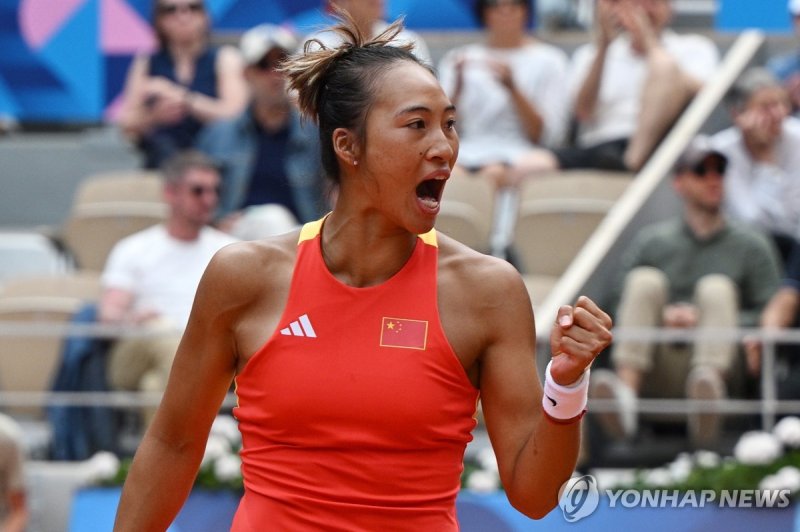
x=699 y=271
x=186 y=83
x=763 y=178
x=269 y=158
x=150 y=277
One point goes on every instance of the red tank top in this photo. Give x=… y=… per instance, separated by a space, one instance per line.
x=356 y=412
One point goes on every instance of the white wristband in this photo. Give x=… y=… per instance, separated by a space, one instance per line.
x=565 y=402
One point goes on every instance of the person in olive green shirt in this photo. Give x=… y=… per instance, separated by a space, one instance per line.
x=697 y=271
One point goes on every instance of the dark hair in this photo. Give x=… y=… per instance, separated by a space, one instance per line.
x=336 y=86
x=155 y=14
x=481 y=5
x=176 y=166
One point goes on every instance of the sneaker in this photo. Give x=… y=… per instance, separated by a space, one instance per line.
x=705 y=384
x=619 y=424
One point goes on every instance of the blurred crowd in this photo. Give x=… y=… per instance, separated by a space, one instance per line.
x=237 y=162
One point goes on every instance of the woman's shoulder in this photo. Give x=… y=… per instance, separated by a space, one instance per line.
x=247 y=265
x=472 y=270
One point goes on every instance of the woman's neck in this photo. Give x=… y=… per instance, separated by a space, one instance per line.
x=360 y=252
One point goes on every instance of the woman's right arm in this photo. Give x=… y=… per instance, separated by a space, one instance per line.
x=169 y=456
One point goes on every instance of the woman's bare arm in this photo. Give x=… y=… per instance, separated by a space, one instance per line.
x=168 y=458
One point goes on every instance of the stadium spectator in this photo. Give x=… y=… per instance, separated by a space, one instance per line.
x=786 y=67
x=170 y=94
x=369 y=17
x=509 y=91
x=782 y=312
x=268 y=157
x=763 y=177
x=151 y=276
x=629 y=86
x=698 y=271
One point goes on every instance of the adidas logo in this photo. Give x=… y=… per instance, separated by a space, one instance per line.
x=300 y=327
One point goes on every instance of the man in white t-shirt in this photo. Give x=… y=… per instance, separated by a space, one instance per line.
x=151 y=277
x=763 y=179
x=630 y=85
x=369 y=17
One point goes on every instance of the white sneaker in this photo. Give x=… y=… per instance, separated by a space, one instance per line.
x=621 y=424
x=705 y=384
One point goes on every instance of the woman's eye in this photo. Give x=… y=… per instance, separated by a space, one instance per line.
x=451 y=124
x=417 y=124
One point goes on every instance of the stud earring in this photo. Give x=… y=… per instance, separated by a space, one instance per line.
x=355 y=162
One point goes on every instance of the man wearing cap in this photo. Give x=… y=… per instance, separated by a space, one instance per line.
x=269 y=159
x=786 y=67
x=696 y=271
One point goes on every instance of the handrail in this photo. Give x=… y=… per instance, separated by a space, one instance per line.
x=767 y=405
x=609 y=230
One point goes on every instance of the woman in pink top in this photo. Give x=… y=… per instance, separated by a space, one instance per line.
x=360 y=344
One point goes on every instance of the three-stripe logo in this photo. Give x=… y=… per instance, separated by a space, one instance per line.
x=300 y=327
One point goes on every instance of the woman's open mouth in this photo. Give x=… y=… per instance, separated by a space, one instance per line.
x=429 y=193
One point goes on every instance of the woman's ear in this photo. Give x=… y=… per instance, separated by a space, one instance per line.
x=345 y=145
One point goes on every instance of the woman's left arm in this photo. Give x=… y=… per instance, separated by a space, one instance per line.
x=232 y=91
x=535 y=454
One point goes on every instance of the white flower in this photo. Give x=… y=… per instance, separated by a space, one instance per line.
x=757 y=448
x=103 y=466
x=228 y=428
x=788 y=431
x=487 y=460
x=706 y=459
x=786 y=478
x=769 y=483
x=789 y=478
x=681 y=467
x=483 y=481
x=658 y=477
x=228 y=467
x=216 y=447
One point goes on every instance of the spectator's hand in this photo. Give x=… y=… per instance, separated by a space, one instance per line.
x=502 y=73
x=680 y=316
x=579 y=335
x=752 y=353
x=167 y=100
x=634 y=19
x=608 y=23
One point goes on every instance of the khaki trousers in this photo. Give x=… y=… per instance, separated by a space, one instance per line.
x=666 y=366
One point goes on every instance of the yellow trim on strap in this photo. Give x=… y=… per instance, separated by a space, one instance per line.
x=430 y=238
x=311 y=229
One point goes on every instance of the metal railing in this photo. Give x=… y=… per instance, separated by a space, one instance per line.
x=767 y=405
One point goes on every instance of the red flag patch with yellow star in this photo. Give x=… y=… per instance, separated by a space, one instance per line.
x=404 y=333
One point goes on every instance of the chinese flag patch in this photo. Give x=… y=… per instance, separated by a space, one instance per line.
x=408 y=334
